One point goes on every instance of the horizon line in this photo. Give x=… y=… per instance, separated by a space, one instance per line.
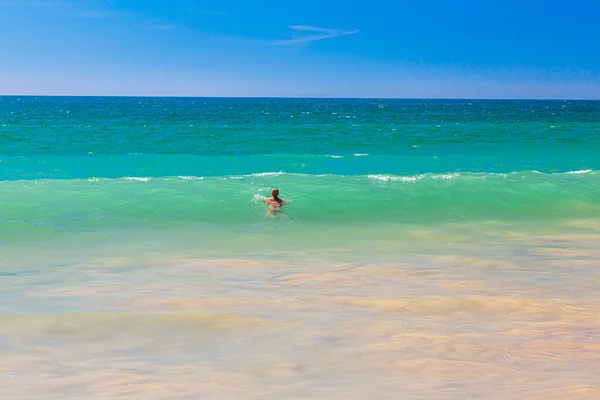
x=305 y=97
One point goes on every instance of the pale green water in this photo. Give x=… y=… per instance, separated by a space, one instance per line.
x=440 y=249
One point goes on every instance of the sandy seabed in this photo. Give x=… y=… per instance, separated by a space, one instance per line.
x=520 y=320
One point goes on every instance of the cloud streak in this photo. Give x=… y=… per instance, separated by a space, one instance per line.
x=314 y=33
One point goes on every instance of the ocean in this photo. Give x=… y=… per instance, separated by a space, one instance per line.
x=430 y=249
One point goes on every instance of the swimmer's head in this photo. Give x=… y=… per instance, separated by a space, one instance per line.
x=275 y=192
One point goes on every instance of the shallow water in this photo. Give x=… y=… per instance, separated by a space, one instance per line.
x=160 y=276
x=503 y=314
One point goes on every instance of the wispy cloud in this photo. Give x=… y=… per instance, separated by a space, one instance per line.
x=314 y=33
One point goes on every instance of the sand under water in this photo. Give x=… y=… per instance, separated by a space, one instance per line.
x=504 y=314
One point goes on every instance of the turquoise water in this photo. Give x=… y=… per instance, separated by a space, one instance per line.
x=150 y=161
x=452 y=235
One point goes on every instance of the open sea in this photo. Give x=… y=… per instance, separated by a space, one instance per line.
x=431 y=249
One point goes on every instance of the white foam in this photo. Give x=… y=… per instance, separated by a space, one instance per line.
x=332 y=156
x=268 y=174
x=446 y=177
x=386 y=178
x=578 y=172
x=137 y=179
x=360 y=154
x=191 y=178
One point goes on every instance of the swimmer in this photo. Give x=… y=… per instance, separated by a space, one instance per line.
x=275 y=202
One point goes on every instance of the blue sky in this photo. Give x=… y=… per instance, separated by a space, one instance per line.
x=308 y=48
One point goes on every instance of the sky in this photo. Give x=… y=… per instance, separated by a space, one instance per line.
x=304 y=48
